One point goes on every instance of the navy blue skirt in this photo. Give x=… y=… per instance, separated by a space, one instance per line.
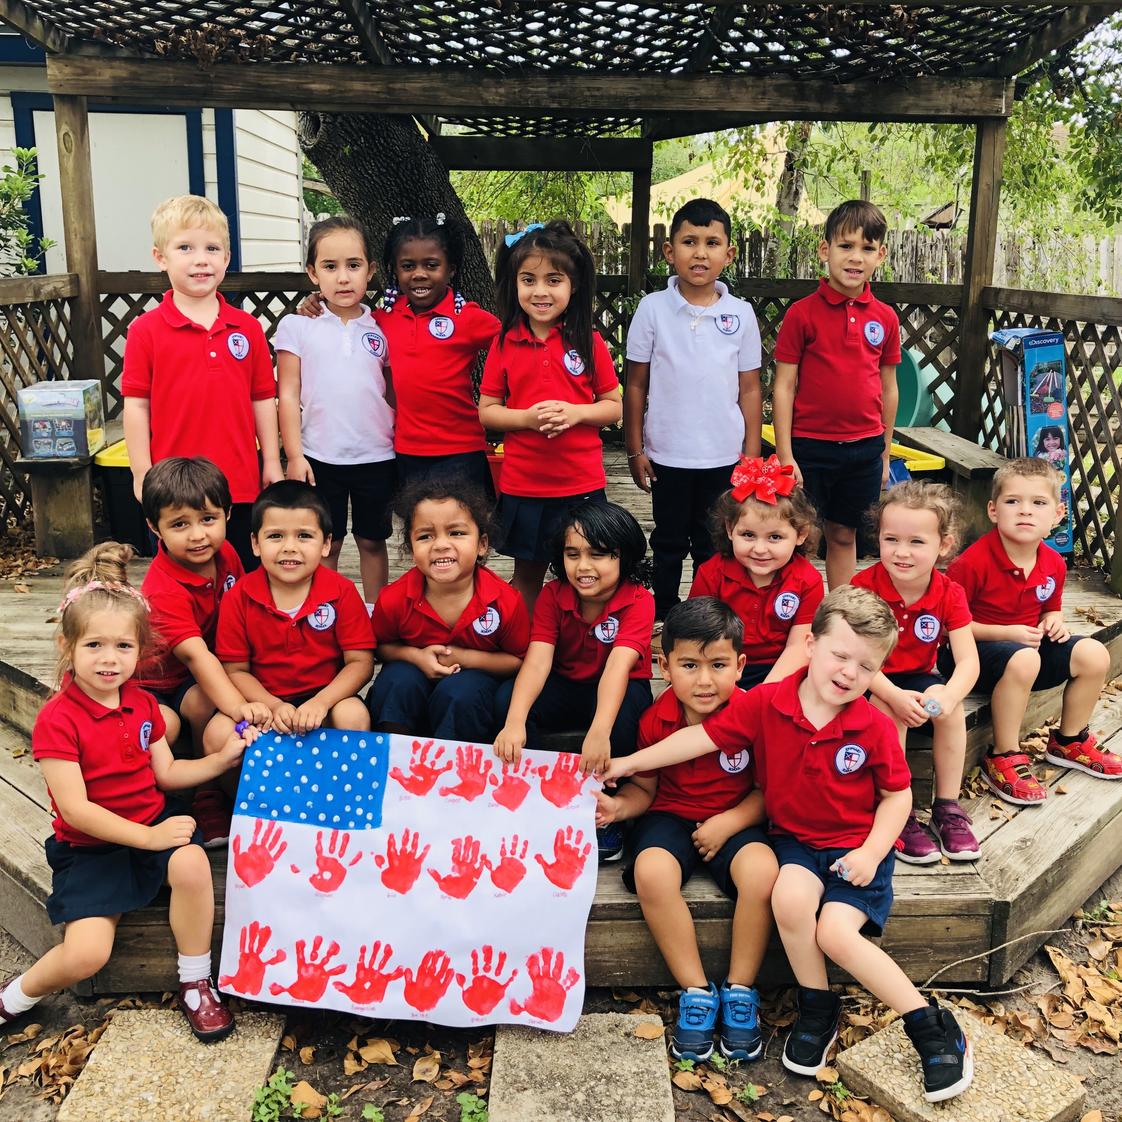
x=529 y=528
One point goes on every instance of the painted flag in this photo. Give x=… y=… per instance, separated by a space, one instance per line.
x=426 y=880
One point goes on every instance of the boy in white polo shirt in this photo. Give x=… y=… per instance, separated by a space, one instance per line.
x=691 y=403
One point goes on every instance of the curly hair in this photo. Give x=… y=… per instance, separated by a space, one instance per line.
x=919 y=495
x=796 y=509
x=438 y=489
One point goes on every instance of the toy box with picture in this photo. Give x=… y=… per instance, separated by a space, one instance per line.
x=1034 y=386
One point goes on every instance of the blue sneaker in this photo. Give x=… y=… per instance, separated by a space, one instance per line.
x=692 y=1038
x=609 y=842
x=740 y=1023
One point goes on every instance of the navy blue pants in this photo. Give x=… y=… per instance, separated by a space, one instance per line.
x=459 y=707
x=564 y=705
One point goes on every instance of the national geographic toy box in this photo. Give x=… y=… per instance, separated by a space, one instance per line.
x=61 y=420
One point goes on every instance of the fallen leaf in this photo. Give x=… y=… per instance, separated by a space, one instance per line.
x=308 y=1054
x=719 y=1095
x=288 y=1042
x=353 y=1064
x=686 y=1080
x=827 y=1075
x=1092 y=1116
x=427 y=1068
x=1098 y=949
x=421 y=1108
x=21 y=588
x=377 y=1051
x=648 y=1030
x=815 y=1095
x=309 y=1099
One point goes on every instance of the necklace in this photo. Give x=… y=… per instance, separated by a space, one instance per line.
x=695 y=317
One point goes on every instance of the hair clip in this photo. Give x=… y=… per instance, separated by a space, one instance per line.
x=514 y=239
x=458 y=301
x=99 y=586
x=389 y=296
x=399 y=219
x=440 y=218
x=762 y=479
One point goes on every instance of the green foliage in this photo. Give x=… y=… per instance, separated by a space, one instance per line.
x=274 y=1097
x=839 y=1091
x=472 y=1107
x=316 y=201
x=748 y=1094
x=20 y=253
x=675 y=157
x=718 y=1062
x=333 y=1107
x=372 y=1113
x=684 y=1065
x=523 y=196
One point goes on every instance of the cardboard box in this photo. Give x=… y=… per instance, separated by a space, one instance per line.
x=61 y=420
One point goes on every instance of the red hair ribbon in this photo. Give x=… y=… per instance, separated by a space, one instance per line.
x=762 y=479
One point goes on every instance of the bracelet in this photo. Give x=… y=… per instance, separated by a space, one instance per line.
x=636 y=455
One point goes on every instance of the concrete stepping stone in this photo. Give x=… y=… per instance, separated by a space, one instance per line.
x=147 y=1065
x=600 y=1072
x=1012 y=1083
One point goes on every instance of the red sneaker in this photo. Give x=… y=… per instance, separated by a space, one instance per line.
x=212 y=811
x=1084 y=755
x=209 y=1019
x=1011 y=779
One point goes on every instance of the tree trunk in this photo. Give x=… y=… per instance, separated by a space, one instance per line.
x=789 y=192
x=380 y=166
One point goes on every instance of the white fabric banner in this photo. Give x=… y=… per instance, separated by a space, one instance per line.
x=415 y=880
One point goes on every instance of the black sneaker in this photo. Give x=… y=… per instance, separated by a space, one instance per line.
x=944 y=1052
x=813 y=1033
x=609 y=842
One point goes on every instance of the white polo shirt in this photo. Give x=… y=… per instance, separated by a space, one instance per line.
x=344 y=415
x=693 y=413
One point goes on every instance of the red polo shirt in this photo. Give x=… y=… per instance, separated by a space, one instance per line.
x=582 y=649
x=1000 y=592
x=433 y=356
x=839 y=345
x=184 y=606
x=494 y=620
x=821 y=786
x=293 y=656
x=201 y=383
x=696 y=789
x=111 y=748
x=923 y=626
x=768 y=613
x=523 y=370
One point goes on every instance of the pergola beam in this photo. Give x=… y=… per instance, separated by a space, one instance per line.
x=1070 y=26
x=26 y=22
x=460 y=92
x=489 y=153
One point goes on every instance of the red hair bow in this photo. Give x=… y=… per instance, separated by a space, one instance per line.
x=762 y=479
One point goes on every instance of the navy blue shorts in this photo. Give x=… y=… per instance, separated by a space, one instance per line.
x=874 y=899
x=919 y=681
x=173 y=699
x=367 y=488
x=472 y=467
x=106 y=880
x=994 y=656
x=841 y=477
x=658 y=829
x=528 y=528
x=753 y=674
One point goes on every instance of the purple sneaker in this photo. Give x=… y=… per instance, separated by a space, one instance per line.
x=951 y=825
x=919 y=846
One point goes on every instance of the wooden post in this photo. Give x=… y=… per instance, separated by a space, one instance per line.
x=80 y=235
x=1116 y=557
x=640 y=229
x=981 y=245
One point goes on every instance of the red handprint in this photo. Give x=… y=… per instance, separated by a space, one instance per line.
x=401 y=865
x=423 y=772
x=432 y=979
x=467 y=867
x=264 y=851
x=568 y=858
x=473 y=771
x=330 y=870
x=312 y=974
x=561 y=785
x=515 y=785
x=250 y=973
x=547 y=998
x=510 y=870
x=371 y=978
x=484 y=992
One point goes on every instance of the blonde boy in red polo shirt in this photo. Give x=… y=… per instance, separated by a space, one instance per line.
x=198 y=377
x=836 y=791
x=834 y=399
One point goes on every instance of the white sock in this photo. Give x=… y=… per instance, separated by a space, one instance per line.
x=738 y=986
x=369 y=607
x=697 y=989
x=15 y=1000
x=194 y=967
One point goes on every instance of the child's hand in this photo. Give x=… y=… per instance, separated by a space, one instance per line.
x=284 y=717
x=642 y=471
x=886 y=468
x=907 y=706
x=300 y=469
x=510 y=742
x=309 y=716
x=232 y=751
x=311 y=305
x=557 y=417
x=271 y=472
x=857 y=867
x=595 y=753
x=171 y=833
x=946 y=701
x=432 y=661
x=607 y=809
x=1022 y=633
x=1052 y=625
x=616 y=769
x=710 y=835
x=798 y=470
x=257 y=713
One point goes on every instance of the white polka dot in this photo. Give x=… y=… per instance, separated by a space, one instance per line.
x=264 y=773
x=354 y=755
x=362 y=743
x=334 y=755
x=303 y=779
x=287 y=809
x=288 y=775
x=315 y=786
x=374 y=783
x=319 y=765
x=303 y=815
x=343 y=767
x=274 y=813
x=299 y=744
x=250 y=795
x=358 y=798
x=345 y=738
x=335 y=818
x=277 y=739
x=323 y=817
x=245 y=806
x=346 y=786
x=277 y=790
x=358 y=775
x=323 y=736
x=330 y=797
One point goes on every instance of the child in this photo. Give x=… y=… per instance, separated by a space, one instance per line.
x=589 y=660
x=762 y=535
x=1050 y=446
x=834 y=401
x=1014 y=585
x=700 y=812
x=916 y=526
x=836 y=793
x=336 y=412
x=449 y=631
x=117 y=841
x=550 y=385
x=692 y=397
x=198 y=379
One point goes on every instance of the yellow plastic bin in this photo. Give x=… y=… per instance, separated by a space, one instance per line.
x=126 y=519
x=912 y=458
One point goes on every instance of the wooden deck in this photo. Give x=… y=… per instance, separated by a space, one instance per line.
x=1038 y=864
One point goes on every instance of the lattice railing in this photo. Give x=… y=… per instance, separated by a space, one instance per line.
x=35 y=346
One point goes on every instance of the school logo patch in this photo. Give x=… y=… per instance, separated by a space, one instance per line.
x=787 y=604
x=374 y=343
x=229 y=582
x=735 y=763
x=488 y=622
x=238 y=345
x=926 y=628
x=442 y=327
x=145 y=735
x=1045 y=590
x=874 y=333
x=321 y=618
x=727 y=324
x=574 y=363
x=607 y=630
x=849 y=758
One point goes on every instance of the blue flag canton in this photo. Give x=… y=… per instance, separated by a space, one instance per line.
x=331 y=778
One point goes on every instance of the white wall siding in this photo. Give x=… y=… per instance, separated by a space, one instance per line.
x=270 y=189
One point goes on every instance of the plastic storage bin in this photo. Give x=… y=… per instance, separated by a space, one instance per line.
x=126 y=519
